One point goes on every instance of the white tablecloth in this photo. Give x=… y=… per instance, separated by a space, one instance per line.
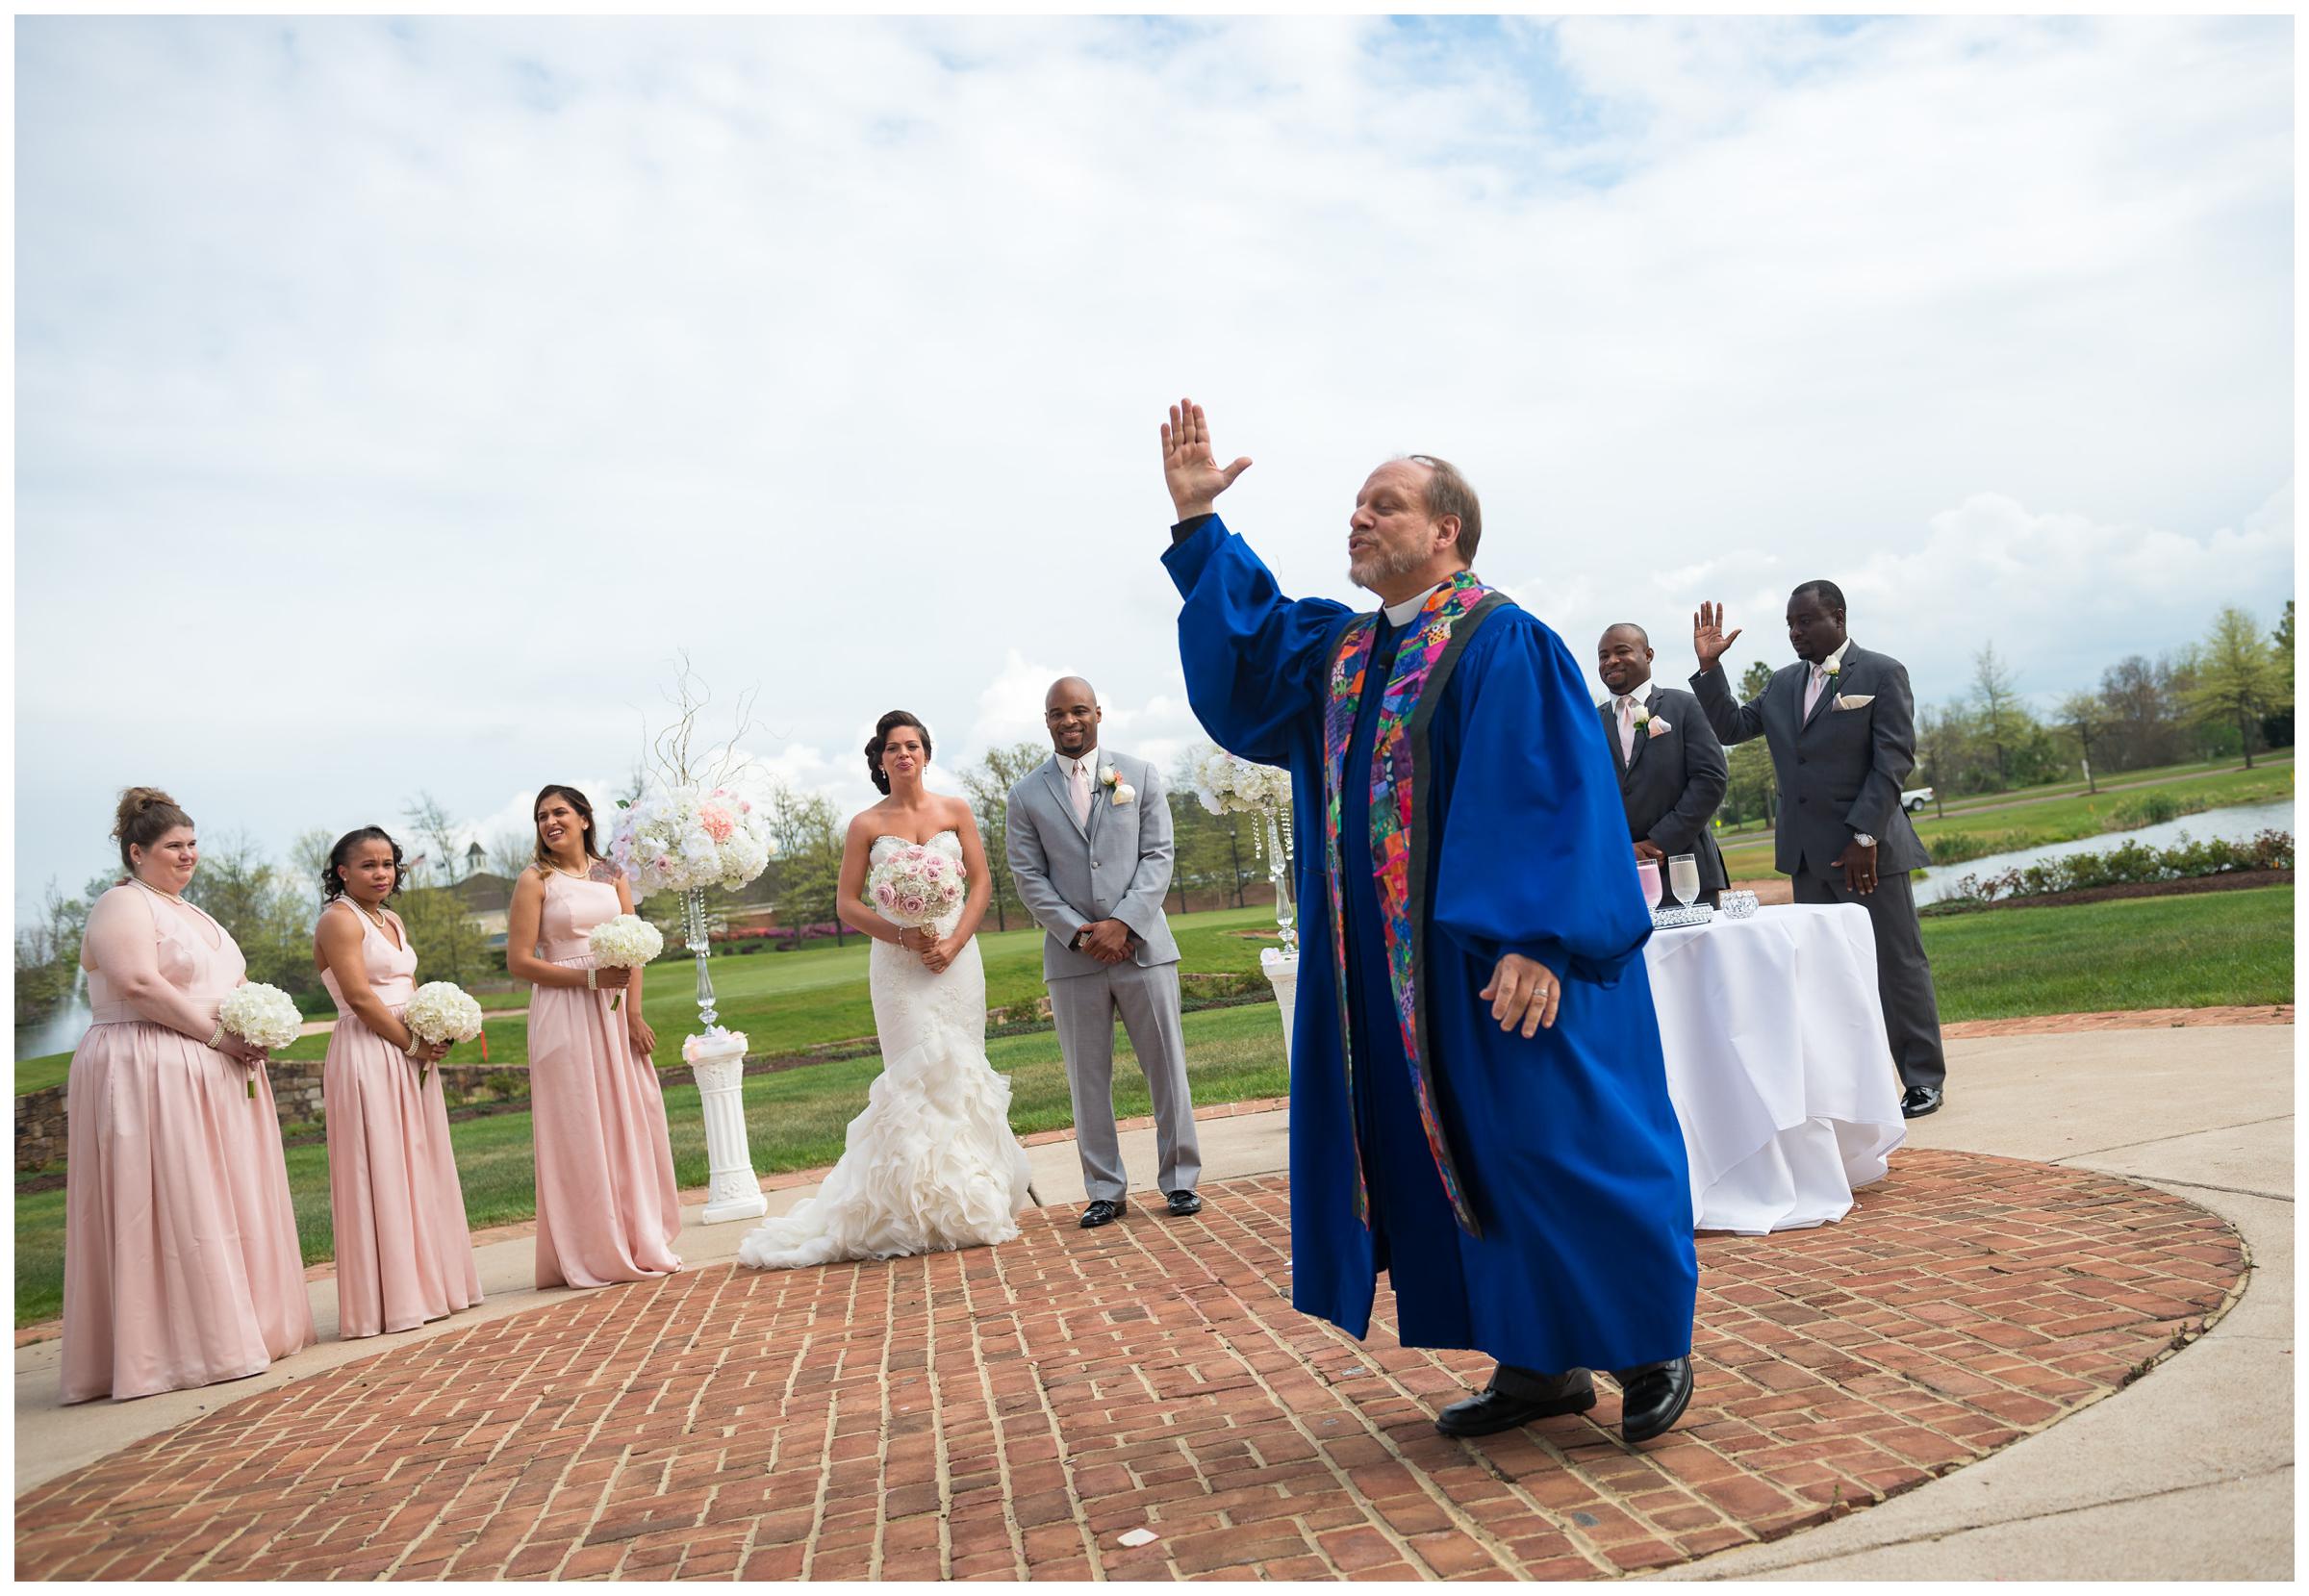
x=1777 y=1063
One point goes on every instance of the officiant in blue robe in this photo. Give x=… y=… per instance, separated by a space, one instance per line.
x=1479 y=1103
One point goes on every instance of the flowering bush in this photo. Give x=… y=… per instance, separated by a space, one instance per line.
x=682 y=838
x=1226 y=781
x=916 y=885
x=2130 y=862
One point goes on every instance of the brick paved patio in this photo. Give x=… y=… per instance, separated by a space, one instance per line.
x=1009 y=1412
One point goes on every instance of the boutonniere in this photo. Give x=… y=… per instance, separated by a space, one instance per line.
x=1832 y=666
x=1656 y=726
x=1122 y=790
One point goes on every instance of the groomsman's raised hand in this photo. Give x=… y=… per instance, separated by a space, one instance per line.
x=1709 y=639
x=1189 y=469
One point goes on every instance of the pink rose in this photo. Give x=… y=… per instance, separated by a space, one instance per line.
x=717 y=823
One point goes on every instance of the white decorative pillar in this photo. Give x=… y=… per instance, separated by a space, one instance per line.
x=716 y=1062
x=1282 y=971
x=719 y=1063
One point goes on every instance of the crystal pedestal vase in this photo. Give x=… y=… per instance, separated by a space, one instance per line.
x=717 y=1059
x=1281 y=965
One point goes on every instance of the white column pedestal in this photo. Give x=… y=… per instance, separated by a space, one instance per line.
x=1282 y=971
x=733 y=1191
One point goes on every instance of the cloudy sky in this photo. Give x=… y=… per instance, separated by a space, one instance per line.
x=394 y=399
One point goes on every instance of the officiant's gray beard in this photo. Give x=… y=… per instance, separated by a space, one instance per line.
x=1384 y=566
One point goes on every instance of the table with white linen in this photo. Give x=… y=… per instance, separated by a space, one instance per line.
x=1777 y=1063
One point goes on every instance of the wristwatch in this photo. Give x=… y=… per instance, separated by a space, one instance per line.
x=1864 y=839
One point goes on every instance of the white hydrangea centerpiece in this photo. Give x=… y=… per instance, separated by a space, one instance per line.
x=1226 y=781
x=689 y=837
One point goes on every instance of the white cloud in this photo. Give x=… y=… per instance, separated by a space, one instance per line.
x=397 y=399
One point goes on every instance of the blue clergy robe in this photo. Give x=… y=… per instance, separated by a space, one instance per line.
x=1566 y=1144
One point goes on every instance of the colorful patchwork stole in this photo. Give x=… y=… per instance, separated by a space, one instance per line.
x=1399 y=841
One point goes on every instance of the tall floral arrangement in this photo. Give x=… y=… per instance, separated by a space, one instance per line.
x=1227 y=782
x=687 y=837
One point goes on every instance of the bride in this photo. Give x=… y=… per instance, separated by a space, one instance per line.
x=930 y=1165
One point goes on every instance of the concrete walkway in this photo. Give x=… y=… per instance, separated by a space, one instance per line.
x=2186 y=1474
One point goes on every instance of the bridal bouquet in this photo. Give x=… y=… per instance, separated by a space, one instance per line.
x=686 y=838
x=262 y=1017
x=916 y=885
x=441 y=1011
x=1226 y=781
x=623 y=942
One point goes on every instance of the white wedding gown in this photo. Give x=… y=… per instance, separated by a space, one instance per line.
x=930 y=1165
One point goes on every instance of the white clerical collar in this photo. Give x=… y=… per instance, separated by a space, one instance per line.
x=1400 y=615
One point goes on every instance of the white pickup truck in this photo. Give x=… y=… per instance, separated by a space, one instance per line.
x=1914 y=802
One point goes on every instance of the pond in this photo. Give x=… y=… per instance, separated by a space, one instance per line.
x=2239 y=824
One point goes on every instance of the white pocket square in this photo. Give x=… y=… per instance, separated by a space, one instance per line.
x=1857 y=700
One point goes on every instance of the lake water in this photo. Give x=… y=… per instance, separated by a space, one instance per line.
x=60 y=1032
x=2239 y=823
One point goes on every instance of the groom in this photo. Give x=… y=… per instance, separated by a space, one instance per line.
x=1090 y=852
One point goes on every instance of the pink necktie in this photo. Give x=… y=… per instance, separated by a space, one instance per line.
x=1811 y=694
x=1082 y=794
x=1627 y=729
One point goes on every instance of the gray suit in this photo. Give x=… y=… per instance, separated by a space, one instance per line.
x=1839 y=773
x=1117 y=868
x=1672 y=785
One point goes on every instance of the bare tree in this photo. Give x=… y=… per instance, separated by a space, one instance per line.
x=988 y=784
x=2003 y=721
x=2087 y=719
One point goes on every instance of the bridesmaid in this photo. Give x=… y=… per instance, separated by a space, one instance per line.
x=606 y=1208
x=181 y=1263
x=403 y=1253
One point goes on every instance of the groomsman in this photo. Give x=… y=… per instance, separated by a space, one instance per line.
x=1672 y=770
x=1840 y=723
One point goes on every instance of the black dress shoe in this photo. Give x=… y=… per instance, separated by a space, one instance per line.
x=1652 y=1398
x=1516 y=1397
x=1101 y=1212
x=1918 y=1102
x=1184 y=1203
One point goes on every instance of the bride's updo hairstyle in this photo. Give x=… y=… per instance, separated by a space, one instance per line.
x=882 y=729
x=146 y=816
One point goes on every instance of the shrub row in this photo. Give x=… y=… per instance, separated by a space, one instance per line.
x=2130 y=862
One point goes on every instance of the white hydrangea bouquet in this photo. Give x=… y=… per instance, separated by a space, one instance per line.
x=441 y=1011
x=1226 y=781
x=916 y=886
x=686 y=837
x=625 y=942
x=262 y=1017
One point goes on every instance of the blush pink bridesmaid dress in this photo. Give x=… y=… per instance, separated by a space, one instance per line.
x=606 y=1208
x=181 y=1263
x=404 y=1254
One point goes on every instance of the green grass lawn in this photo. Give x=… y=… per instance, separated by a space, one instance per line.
x=2057 y=816
x=2197 y=951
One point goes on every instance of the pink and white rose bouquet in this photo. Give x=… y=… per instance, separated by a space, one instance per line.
x=917 y=886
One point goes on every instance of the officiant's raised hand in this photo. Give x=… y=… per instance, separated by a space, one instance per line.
x=1189 y=469
x=1709 y=639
